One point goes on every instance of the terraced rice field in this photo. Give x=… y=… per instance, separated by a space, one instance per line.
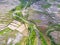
x=5 y=19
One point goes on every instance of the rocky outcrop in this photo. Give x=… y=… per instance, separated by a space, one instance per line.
x=56 y=36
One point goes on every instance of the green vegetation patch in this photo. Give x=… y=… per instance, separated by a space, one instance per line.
x=19 y=7
x=46 y=5
x=43 y=41
x=32 y=35
x=58 y=5
x=38 y=21
x=7 y=30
